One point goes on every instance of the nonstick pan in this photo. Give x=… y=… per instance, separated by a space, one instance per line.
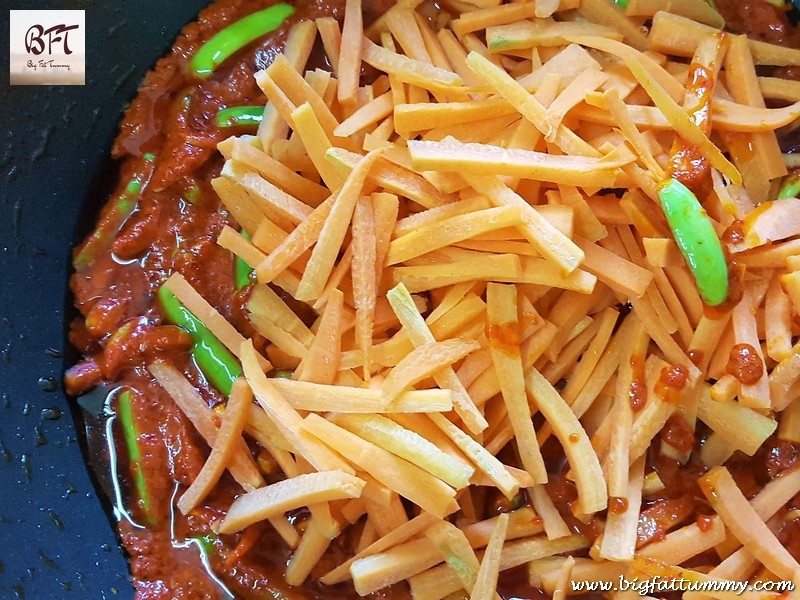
x=56 y=536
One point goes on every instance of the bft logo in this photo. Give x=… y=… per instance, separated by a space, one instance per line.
x=57 y=34
x=48 y=47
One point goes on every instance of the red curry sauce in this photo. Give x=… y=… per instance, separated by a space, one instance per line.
x=760 y=20
x=170 y=231
x=174 y=228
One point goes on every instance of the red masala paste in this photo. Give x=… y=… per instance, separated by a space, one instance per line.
x=174 y=229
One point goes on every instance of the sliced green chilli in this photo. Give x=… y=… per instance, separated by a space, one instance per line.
x=217 y=363
x=697 y=240
x=236 y=36
x=240 y=116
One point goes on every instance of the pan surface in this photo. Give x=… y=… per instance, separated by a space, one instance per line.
x=56 y=538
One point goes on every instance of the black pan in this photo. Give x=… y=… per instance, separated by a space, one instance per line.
x=56 y=538
x=57 y=535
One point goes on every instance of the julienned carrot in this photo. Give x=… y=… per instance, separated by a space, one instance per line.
x=246 y=543
x=740 y=517
x=505 y=174
x=223 y=449
x=289 y=494
x=196 y=409
x=365 y=285
x=406 y=479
